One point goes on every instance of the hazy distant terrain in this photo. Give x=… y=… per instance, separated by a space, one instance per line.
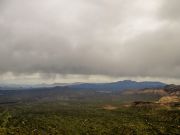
x=83 y=91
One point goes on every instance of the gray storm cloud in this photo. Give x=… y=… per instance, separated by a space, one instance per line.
x=90 y=37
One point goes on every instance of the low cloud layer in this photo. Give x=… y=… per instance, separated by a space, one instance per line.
x=119 y=38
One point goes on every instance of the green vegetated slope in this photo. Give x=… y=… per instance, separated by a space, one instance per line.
x=87 y=118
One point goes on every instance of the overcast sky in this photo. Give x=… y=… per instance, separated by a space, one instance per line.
x=89 y=40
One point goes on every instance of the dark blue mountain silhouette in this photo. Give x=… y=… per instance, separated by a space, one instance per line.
x=120 y=85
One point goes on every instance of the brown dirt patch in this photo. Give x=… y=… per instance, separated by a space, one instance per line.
x=109 y=107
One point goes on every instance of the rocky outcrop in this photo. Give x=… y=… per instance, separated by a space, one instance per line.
x=169 y=99
x=173 y=89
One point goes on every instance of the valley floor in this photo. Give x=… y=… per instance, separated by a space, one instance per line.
x=83 y=118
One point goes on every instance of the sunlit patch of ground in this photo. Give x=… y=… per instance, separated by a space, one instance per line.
x=169 y=99
x=110 y=107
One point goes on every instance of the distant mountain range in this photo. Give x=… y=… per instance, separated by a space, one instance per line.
x=119 y=86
